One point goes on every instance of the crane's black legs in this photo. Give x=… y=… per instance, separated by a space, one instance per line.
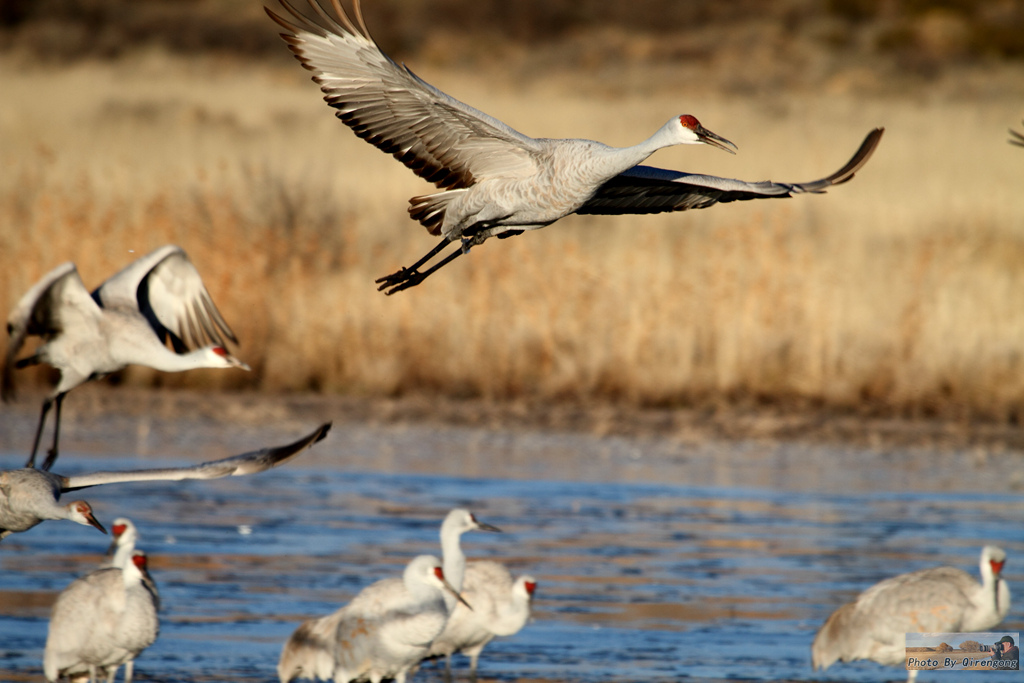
x=47 y=403
x=405 y=278
x=51 y=456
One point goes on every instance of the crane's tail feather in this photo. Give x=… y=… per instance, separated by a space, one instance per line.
x=428 y=210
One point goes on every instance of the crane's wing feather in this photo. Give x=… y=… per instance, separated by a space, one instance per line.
x=929 y=600
x=247 y=463
x=354 y=637
x=167 y=289
x=58 y=302
x=644 y=189
x=440 y=138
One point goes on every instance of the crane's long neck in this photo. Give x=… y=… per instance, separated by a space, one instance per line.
x=453 y=561
x=666 y=136
x=162 y=358
x=990 y=585
x=122 y=554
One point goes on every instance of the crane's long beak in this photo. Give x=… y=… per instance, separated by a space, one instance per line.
x=487 y=527
x=458 y=596
x=94 y=522
x=237 y=363
x=709 y=138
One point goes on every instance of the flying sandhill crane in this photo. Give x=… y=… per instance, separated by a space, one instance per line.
x=1016 y=138
x=101 y=621
x=382 y=633
x=29 y=496
x=494 y=180
x=501 y=607
x=126 y=321
x=936 y=600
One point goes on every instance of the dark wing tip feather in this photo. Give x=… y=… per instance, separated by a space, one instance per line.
x=1016 y=138
x=272 y=457
x=860 y=157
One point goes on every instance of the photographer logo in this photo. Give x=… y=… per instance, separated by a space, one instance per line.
x=995 y=651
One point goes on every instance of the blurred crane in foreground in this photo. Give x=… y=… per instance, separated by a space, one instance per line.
x=936 y=600
x=101 y=621
x=382 y=633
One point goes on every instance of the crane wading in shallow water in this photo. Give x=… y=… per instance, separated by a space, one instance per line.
x=126 y=321
x=101 y=621
x=495 y=181
x=936 y=600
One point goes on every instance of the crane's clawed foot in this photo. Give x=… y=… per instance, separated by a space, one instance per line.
x=404 y=278
x=51 y=457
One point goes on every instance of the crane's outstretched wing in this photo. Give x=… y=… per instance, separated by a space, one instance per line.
x=167 y=289
x=440 y=138
x=58 y=302
x=247 y=463
x=644 y=189
x=1016 y=138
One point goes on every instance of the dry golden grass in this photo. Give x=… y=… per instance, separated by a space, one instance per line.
x=900 y=291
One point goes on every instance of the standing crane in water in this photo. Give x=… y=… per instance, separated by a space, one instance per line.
x=936 y=600
x=493 y=180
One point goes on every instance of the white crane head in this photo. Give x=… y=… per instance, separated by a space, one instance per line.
x=124 y=535
x=524 y=587
x=425 y=570
x=218 y=357
x=140 y=564
x=81 y=512
x=459 y=521
x=124 y=531
x=994 y=557
x=688 y=131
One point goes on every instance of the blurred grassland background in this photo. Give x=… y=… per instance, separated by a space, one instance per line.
x=127 y=124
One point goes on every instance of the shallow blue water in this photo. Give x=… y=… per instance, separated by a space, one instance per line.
x=661 y=579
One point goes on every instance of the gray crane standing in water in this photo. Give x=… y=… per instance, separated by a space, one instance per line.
x=936 y=600
x=29 y=496
x=126 y=321
x=495 y=181
x=501 y=607
x=101 y=621
x=382 y=633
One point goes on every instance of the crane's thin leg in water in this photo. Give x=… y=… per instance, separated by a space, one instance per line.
x=403 y=275
x=47 y=403
x=413 y=278
x=51 y=456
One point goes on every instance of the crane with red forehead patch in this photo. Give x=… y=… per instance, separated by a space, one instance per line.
x=934 y=600
x=128 y=320
x=495 y=181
